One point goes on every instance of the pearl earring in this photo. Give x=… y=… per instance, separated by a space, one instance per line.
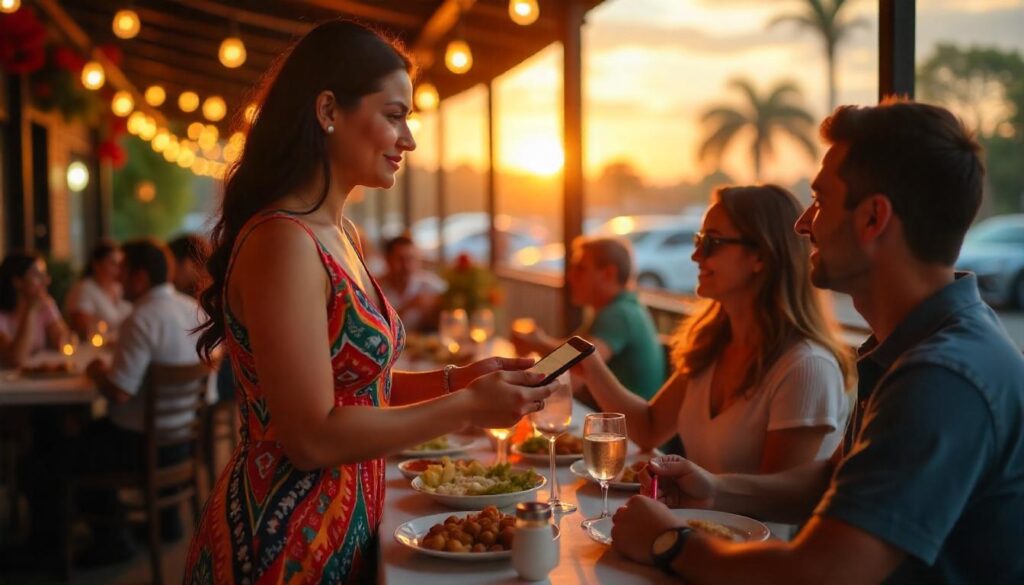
x=330 y=128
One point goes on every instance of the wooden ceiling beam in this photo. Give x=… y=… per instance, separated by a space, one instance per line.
x=368 y=12
x=197 y=80
x=208 y=66
x=192 y=28
x=249 y=17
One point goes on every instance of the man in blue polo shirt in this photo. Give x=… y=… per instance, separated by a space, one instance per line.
x=931 y=487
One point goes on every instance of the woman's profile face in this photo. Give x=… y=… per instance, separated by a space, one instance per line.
x=367 y=145
x=34 y=282
x=730 y=269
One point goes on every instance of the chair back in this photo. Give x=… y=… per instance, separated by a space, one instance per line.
x=175 y=403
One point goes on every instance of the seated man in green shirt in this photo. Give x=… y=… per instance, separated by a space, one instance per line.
x=621 y=329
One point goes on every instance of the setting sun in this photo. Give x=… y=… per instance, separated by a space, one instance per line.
x=540 y=156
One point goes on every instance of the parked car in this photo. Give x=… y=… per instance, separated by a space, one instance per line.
x=467 y=233
x=994 y=250
x=662 y=246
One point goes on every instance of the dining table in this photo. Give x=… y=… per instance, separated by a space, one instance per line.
x=581 y=559
x=25 y=387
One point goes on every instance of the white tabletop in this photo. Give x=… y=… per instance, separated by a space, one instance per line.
x=17 y=389
x=581 y=559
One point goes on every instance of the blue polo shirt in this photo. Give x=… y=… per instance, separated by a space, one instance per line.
x=937 y=467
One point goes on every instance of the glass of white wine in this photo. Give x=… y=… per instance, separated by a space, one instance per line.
x=551 y=421
x=604 y=452
x=501 y=436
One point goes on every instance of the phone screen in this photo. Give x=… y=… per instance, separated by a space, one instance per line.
x=562 y=358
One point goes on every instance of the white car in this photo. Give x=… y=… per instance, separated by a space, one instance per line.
x=994 y=250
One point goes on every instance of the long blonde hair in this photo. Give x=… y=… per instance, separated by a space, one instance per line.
x=789 y=308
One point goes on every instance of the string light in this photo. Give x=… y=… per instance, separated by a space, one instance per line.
x=93 y=76
x=414 y=123
x=122 y=104
x=148 y=131
x=195 y=129
x=145 y=191
x=426 y=97
x=232 y=52
x=523 y=12
x=188 y=101
x=155 y=95
x=9 y=6
x=78 y=176
x=136 y=122
x=214 y=108
x=458 y=57
x=126 y=24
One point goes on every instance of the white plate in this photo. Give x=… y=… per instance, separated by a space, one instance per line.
x=456 y=444
x=748 y=529
x=540 y=459
x=412 y=474
x=579 y=469
x=480 y=502
x=412 y=532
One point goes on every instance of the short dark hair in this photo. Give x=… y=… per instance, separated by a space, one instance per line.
x=100 y=251
x=395 y=242
x=15 y=265
x=150 y=256
x=190 y=246
x=923 y=159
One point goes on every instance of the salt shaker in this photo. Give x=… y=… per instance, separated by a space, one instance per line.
x=534 y=549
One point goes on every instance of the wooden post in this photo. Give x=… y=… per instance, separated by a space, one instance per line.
x=19 y=211
x=442 y=207
x=896 y=48
x=572 y=129
x=490 y=204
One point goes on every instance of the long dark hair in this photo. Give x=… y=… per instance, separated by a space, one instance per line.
x=789 y=308
x=15 y=265
x=286 y=146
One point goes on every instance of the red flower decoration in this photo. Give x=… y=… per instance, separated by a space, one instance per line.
x=463 y=262
x=22 y=42
x=68 y=60
x=111 y=151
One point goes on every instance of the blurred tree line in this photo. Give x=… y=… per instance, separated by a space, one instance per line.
x=985 y=86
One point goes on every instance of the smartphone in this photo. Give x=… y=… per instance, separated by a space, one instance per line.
x=562 y=358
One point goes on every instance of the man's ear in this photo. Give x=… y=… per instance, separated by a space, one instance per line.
x=872 y=217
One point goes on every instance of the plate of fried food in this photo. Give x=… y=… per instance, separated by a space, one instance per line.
x=443 y=445
x=628 y=480
x=463 y=536
x=475 y=486
x=709 y=523
x=568 y=448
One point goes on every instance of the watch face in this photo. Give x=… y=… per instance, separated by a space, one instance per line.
x=664 y=541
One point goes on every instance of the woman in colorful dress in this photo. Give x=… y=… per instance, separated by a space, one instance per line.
x=311 y=338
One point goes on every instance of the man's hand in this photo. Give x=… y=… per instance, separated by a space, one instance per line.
x=636 y=524
x=681 y=483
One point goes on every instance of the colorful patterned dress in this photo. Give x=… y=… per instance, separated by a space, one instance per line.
x=267 y=522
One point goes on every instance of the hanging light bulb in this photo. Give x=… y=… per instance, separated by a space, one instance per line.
x=126 y=24
x=426 y=97
x=188 y=101
x=77 y=176
x=122 y=103
x=145 y=191
x=136 y=122
x=148 y=130
x=232 y=52
x=414 y=122
x=160 y=141
x=457 y=57
x=9 y=6
x=214 y=108
x=523 y=12
x=93 y=76
x=155 y=95
x=195 y=129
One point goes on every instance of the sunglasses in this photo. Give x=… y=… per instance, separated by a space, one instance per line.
x=707 y=245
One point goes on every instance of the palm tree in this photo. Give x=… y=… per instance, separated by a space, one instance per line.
x=824 y=18
x=779 y=112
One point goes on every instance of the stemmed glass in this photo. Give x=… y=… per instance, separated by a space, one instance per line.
x=501 y=436
x=453 y=329
x=552 y=421
x=604 y=452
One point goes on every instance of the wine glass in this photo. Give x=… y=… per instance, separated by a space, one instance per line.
x=551 y=421
x=452 y=329
x=501 y=436
x=604 y=452
x=481 y=325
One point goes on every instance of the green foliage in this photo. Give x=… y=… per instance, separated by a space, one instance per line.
x=470 y=287
x=985 y=86
x=174 y=196
x=778 y=112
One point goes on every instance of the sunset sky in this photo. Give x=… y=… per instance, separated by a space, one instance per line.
x=652 y=66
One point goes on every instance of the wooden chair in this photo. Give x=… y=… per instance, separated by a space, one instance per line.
x=169 y=391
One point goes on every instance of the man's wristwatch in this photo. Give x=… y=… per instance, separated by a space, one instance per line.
x=667 y=546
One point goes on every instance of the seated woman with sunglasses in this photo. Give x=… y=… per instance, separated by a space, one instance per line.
x=760 y=379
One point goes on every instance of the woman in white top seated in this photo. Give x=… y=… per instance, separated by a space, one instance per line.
x=760 y=382
x=98 y=295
